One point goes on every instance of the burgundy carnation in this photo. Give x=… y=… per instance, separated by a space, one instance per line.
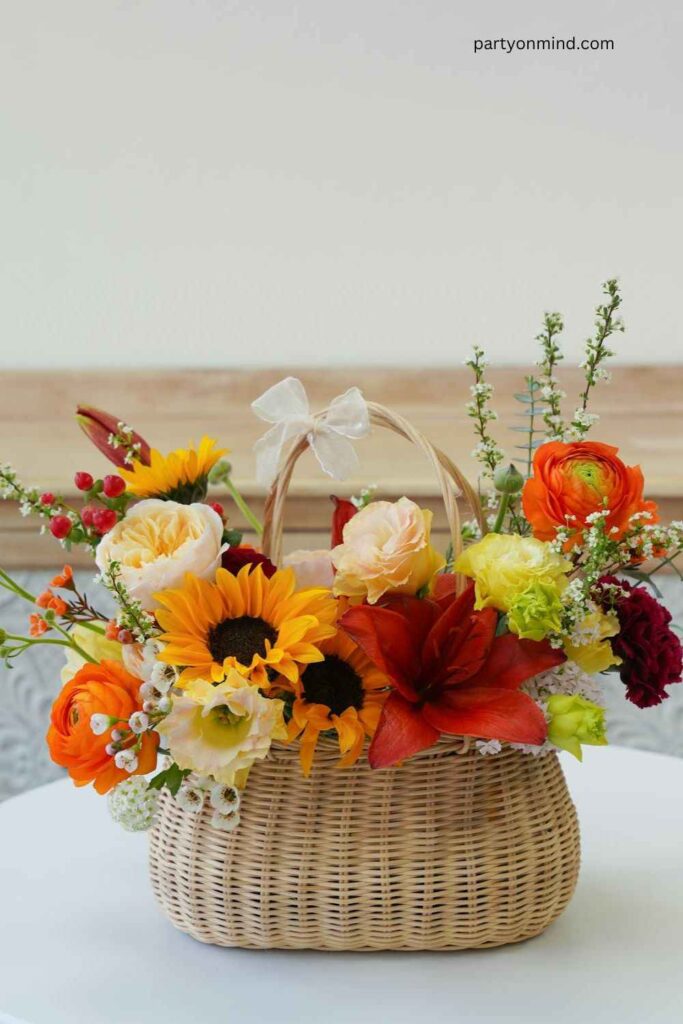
x=651 y=652
x=234 y=558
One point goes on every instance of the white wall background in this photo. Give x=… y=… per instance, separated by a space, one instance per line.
x=215 y=182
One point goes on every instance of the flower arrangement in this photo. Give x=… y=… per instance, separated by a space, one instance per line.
x=381 y=641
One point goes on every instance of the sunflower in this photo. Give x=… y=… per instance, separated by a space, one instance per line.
x=180 y=476
x=261 y=627
x=343 y=693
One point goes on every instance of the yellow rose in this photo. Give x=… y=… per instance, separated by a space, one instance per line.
x=504 y=565
x=157 y=542
x=94 y=644
x=594 y=652
x=220 y=730
x=386 y=548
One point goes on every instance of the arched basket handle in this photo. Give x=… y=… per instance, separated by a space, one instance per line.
x=452 y=483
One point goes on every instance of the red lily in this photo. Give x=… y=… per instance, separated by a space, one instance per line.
x=450 y=673
x=343 y=511
x=99 y=426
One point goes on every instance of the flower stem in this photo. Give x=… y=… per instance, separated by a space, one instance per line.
x=243 y=507
x=502 y=511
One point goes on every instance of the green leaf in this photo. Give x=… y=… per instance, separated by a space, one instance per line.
x=502 y=626
x=171 y=777
x=232 y=537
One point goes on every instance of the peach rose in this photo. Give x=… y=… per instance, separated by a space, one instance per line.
x=157 y=542
x=571 y=481
x=385 y=548
x=105 y=689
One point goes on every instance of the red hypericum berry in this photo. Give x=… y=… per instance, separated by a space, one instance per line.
x=83 y=481
x=125 y=637
x=87 y=513
x=60 y=527
x=113 y=486
x=47 y=499
x=217 y=507
x=104 y=519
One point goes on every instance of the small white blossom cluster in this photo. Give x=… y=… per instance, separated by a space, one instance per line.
x=486 y=451
x=158 y=679
x=196 y=791
x=580 y=424
x=132 y=615
x=123 y=438
x=567 y=679
x=133 y=805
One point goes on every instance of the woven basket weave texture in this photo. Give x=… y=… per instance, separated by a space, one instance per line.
x=452 y=850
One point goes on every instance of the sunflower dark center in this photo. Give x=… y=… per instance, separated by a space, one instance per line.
x=334 y=683
x=240 y=638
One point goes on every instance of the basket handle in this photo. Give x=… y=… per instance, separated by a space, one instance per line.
x=452 y=483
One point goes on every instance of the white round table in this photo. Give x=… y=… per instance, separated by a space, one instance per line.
x=82 y=941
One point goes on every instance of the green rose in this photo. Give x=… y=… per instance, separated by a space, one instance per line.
x=573 y=721
x=536 y=611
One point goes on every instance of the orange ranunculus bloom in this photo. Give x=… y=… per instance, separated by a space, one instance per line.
x=96 y=689
x=570 y=481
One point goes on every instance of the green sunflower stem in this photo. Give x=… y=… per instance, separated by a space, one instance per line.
x=253 y=521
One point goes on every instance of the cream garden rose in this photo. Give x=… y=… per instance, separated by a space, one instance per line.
x=386 y=547
x=157 y=542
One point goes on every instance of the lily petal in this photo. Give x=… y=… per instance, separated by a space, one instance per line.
x=402 y=731
x=488 y=713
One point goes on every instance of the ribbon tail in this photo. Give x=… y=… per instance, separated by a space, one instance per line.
x=335 y=453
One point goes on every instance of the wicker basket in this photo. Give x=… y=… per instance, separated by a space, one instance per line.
x=452 y=850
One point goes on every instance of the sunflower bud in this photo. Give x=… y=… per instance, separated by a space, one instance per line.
x=509 y=480
x=113 y=438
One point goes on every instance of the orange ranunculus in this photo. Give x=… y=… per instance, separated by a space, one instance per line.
x=570 y=481
x=96 y=689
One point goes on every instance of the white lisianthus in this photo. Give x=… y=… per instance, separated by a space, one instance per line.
x=221 y=730
x=157 y=542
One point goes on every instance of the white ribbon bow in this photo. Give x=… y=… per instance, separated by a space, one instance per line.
x=286 y=406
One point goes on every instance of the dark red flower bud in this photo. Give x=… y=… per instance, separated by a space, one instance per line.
x=235 y=558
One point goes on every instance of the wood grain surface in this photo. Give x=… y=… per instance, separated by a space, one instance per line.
x=641 y=411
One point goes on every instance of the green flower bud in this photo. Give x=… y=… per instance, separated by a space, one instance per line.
x=509 y=480
x=573 y=721
x=3 y=636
